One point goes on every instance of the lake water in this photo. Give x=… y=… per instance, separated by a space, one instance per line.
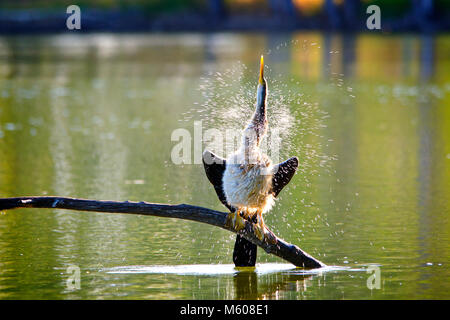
x=91 y=116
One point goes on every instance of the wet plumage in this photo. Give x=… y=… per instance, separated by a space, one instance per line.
x=247 y=182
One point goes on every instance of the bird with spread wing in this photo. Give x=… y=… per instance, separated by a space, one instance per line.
x=247 y=182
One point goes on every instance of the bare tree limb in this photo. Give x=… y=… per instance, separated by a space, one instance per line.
x=271 y=243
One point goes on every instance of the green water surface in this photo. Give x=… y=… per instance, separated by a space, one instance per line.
x=91 y=116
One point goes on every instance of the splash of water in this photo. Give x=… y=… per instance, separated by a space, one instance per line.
x=228 y=104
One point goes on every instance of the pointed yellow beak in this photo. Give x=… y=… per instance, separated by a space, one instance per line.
x=261 y=71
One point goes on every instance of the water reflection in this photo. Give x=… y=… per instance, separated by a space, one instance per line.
x=248 y=285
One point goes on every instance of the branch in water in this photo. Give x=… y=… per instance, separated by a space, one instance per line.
x=271 y=243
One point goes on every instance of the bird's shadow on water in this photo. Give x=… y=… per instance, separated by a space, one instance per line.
x=264 y=281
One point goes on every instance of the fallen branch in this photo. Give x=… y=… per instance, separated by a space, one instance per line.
x=271 y=243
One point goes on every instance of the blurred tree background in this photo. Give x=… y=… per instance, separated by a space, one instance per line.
x=425 y=15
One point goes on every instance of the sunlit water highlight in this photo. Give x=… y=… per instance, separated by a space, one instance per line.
x=203 y=269
x=226 y=269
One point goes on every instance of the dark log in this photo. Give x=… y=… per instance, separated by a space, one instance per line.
x=271 y=243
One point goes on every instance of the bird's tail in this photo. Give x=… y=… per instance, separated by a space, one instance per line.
x=244 y=253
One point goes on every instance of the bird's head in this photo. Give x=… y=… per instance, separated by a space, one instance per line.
x=258 y=125
x=259 y=120
x=261 y=93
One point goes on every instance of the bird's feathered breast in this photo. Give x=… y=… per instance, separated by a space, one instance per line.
x=248 y=184
x=215 y=171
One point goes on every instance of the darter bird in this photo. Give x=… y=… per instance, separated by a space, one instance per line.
x=247 y=182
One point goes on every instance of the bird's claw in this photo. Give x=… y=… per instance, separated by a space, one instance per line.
x=239 y=222
x=259 y=231
x=260 y=227
x=235 y=220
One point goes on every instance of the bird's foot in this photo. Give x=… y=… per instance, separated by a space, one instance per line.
x=240 y=221
x=259 y=231
x=235 y=220
x=264 y=234
x=260 y=227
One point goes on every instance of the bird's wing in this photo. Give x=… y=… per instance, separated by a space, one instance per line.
x=214 y=168
x=284 y=173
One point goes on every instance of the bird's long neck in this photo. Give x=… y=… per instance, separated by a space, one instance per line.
x=258 y=125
